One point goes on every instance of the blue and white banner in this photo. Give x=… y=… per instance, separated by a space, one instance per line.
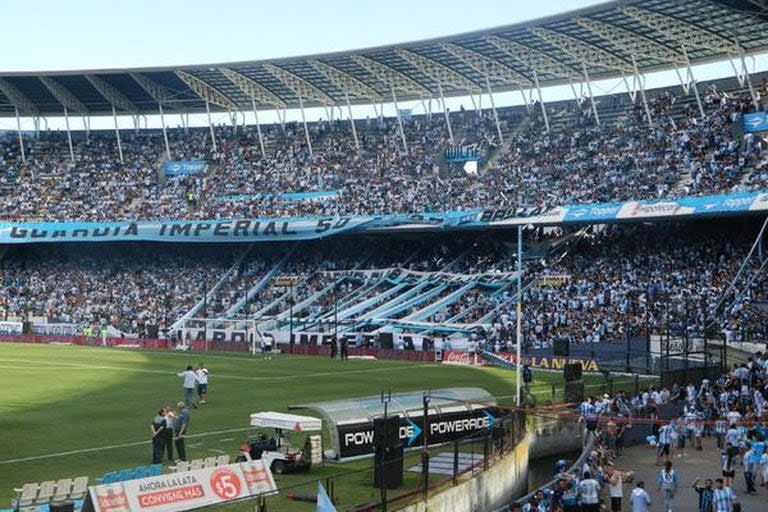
x=308 y=228
x=756 y=122
x=185 y=167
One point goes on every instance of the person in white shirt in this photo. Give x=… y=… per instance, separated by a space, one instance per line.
x=201 y=375
x=589 y=490
x=615 y=487
x=639 y=499
x=189 y=381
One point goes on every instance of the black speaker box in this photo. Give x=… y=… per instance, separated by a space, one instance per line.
x=574 y=391
x=388 y=453
x=561 y=347
x=572 y=372
x=386 y=340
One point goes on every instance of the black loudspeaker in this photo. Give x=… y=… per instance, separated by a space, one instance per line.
x=388 y=453
x=574 y=391
x=572 y=372
x=561 y=347
x=62 y=507
x=386 y=340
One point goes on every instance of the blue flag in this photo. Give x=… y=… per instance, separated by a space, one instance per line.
x=324 y=503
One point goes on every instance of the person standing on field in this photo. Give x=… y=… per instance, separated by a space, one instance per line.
x=170 y=422
x=182 y=427
x=189 y=382
x=202 y=382
x=157 y=429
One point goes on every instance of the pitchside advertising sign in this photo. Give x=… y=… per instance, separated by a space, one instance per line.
x=358 y=437
x=183 y=491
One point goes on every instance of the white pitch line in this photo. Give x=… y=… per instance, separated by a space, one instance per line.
x=112 y=447
x=73 y=366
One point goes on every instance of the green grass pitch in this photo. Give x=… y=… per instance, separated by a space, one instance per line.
x=97 y=404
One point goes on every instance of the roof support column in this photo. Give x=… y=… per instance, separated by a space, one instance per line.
x=541 y=100
x=399 y=120
x=165 y=133
x=210 y=126
x=691 y=80
x=69 y=135
x=641 y=81
x=526 y=101
x=747 y=78
x=352 y=121
x=493 y=109
x=258 y=126
x=21 y=137
x=87 y=126
x=445 y=113
x=591 y=96
x=184 y=122
x=304 y=122
x=117 y=134
x=36 y=122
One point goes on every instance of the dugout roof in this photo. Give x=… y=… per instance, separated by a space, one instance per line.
x=603 y=41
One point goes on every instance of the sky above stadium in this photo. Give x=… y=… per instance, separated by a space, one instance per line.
x=87 y=34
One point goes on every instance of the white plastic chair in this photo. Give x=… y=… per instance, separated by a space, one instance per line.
x=63 y=488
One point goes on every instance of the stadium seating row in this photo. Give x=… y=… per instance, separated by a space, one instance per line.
x=51 y=491
x=130 y=474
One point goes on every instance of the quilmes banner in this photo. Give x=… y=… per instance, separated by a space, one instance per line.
x=185 y=167
x=308 y=228
x=188 y=490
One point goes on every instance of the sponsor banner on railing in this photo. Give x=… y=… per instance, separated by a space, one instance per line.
x=308 y=228
x=185 y=167
x=540 y=362
x=183 y=491
x=57 y=329
x=11 y=327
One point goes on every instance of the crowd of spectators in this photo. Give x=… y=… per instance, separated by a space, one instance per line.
x=578 y=161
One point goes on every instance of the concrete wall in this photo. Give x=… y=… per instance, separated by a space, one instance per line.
x=507 y=477
x=490 y=489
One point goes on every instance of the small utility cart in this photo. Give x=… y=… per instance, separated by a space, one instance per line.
x=273 y=439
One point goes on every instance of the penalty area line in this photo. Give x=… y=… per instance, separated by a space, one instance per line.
x=112 y=447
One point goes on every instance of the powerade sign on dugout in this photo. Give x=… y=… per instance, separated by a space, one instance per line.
x=357 y=439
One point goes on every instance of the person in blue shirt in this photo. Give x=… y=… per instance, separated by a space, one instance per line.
x=668 y=485
x=639 y=498
x=182 y=428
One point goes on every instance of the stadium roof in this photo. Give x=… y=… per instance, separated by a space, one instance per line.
x=605 y=40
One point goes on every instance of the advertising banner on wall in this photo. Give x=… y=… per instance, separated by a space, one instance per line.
x=358 y=438
x=188 y=490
